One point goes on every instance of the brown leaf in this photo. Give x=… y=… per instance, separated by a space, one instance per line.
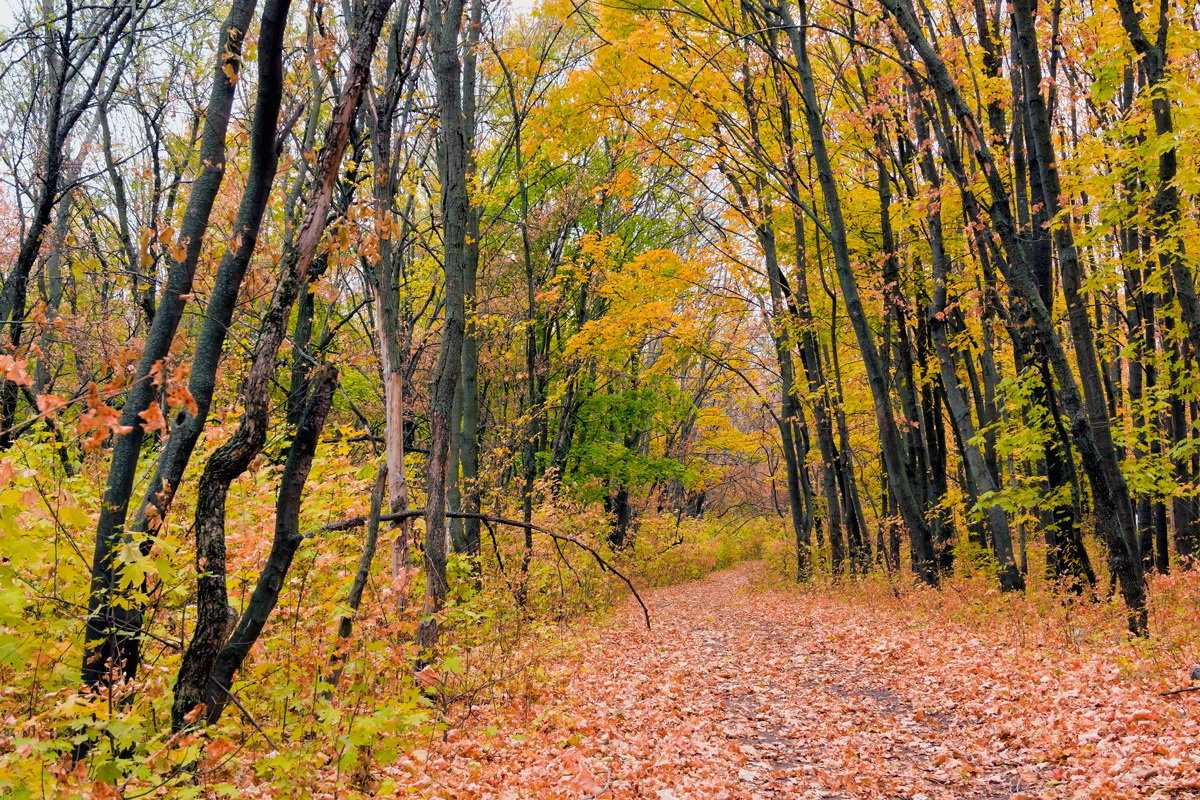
x=153 y=419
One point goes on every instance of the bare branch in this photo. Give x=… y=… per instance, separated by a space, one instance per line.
x=354 y=522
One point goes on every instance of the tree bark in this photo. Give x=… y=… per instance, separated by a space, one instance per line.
x=233 y=457
x=920 y=537
x=362 y=574
x=286 y=542
x=113 y=623
x=444 y=19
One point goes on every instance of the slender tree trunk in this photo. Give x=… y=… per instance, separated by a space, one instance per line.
x=393 y=327
x=1072 y=275
x=443 y=21
x=469 y=434
x=1164 y=207
x=981 y=477
x=1113 y=511
x=362 y=574
x=233 y=457
x=68 y=56
x=790 y=432
x=286 y=542
x=111 y=635
x=924 y=556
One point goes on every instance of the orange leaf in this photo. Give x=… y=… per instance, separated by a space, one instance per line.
x=428 y=677
x=585 y=781
x=48 y=403
x=14 y=370
x=216 y=751
x=104 y=791
x=180 y=396
x=153 y=419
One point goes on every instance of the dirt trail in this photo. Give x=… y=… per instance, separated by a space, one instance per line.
x=786 y=718
x=738 y=693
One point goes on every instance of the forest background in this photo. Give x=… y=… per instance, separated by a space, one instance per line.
x=349 y=348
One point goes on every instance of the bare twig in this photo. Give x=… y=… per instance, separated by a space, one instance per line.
x=604 y=788
x=496 y=546
x=249 y=718
x=354 y=522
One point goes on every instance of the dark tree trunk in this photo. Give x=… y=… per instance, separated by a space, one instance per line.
x=907 y=499
x=189 y=423
x=233 y=457
x=1107 y=466
x=1113 y=510
x=471 y=432
x=283 y=548
x=67 y=58
x=111 y=635
x=981 y=479
x=444 y=19
x=1164 y=207
x=1183 y=506
x=362 y=574
x=465 y=538
x=792 y=437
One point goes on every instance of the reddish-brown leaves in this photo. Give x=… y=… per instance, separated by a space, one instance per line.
x=741 y=693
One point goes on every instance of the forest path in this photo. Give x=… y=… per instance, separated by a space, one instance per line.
x=770 y=706
x=742 y=692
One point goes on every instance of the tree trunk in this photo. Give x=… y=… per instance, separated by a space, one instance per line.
x=111 y=635
x=233 y=457
x=362 y=574
x=283 y=549
x=924 y=556
x=443 y=20
x=981 y=477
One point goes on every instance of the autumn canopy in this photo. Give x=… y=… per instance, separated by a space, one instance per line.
x=363 y=364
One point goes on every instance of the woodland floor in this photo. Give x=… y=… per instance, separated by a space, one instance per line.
x=743 y=692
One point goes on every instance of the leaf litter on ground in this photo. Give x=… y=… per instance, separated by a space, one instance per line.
x=746 y=692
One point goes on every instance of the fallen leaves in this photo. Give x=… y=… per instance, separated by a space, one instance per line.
x=748 y=694
x=581 y=778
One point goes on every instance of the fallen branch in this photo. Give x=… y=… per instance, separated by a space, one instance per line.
x=354 y=522
x=1180 y=691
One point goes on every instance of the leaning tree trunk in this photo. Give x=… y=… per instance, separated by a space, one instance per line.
x=1071 y=271
x=841 y=512
x=233 y=457
x=790 y=433
x=1165 y=229
x=286 y=542
x=1164 y=207
x=111 y=635
x=981 y=476
x=264 y=158
x=362 y=573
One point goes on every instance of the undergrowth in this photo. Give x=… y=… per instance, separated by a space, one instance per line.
x=668 y=550
x=291 y=732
